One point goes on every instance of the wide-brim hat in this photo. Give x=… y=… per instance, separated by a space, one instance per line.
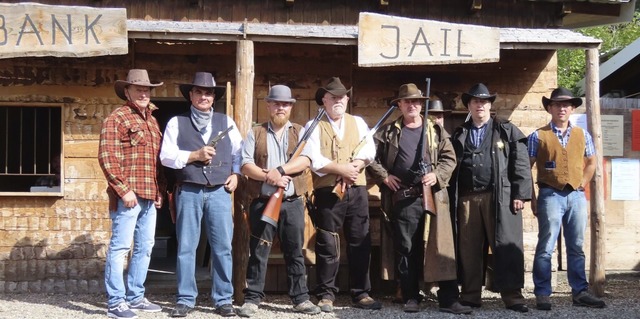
x=436 y=106
x=561 y=95
x=409 y=91
x=204 y=80
x=334 y=87
x=280 y=93
x=134 y=77
x=479 y=91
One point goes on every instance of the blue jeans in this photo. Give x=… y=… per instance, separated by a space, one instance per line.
x=569 y=210
x=137 y=224
x=193 y=203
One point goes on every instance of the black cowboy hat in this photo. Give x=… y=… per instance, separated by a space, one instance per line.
x=134 y=77
x=334 y=87
x=479 y=91
x=204 y=80
x=409 y=91
x=561 y=95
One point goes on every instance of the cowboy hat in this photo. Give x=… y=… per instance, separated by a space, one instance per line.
x=334 y=87
x=204 y=80
x=561 y=95
x=134 y=77
x=435 y=106
x=409 y=91
x=479 y=91
x=280 y=93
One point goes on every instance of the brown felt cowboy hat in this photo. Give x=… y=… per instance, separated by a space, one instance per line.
x=561 y=95
x=134 y=77
x=334 y=87
x=204 y=80
x=409 y=91
x=479 y=91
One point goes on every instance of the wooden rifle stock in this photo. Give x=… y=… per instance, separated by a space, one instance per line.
x=428 y=203
x=271 y=212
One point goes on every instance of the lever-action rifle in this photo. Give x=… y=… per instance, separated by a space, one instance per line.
x=271 y=212
x=424 y=167
x=340 y=186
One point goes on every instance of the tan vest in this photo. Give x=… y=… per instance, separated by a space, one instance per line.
x=260 y=155
x=338 y=150
x=569 y=161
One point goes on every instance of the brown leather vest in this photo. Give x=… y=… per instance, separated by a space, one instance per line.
x=338 y=150
x=260 y=155
x=569 y=161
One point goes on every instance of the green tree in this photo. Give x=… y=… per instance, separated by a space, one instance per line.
x=571 y=62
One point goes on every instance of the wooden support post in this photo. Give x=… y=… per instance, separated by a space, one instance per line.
x=592 y=95
x=243 y=109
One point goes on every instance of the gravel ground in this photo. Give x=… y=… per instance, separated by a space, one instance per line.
x=622 y=297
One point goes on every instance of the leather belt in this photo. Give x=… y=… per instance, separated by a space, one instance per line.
x=566 y=188
x=404 y=193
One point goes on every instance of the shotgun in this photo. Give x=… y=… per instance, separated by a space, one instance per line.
x=428 y=203
x=341 y=186
x=271 y=212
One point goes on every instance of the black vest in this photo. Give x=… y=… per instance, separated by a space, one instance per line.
x=189 y=139
x=475 y=168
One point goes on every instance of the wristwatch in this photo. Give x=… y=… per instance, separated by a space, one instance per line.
x=281 y=170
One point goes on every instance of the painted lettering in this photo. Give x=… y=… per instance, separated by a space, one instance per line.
x=397 y=41
x=4 y=31
x=420 y=34
x=444 y=40
x=54 y=23
x=33 y=27
x=460 y=45
x=89 y=26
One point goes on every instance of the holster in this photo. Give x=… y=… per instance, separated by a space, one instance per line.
x=113 y=199
x=312 y=209
x=171 y=197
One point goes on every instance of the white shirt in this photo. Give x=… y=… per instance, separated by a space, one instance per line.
x=318 y=161
x=171 y=156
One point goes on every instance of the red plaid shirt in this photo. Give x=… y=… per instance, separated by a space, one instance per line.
x=128 y=154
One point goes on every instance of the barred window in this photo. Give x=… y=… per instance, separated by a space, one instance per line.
x=31 y=150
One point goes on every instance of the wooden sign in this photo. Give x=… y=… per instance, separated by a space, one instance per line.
x=387 y=40
x=31 y=29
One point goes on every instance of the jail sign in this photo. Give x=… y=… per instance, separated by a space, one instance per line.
x=387 y=40
x=31 y=29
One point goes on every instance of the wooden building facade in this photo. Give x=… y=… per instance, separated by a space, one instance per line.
x=56 y=241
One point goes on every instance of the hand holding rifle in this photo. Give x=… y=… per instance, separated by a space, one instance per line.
x=271 y=212
x=352 y=169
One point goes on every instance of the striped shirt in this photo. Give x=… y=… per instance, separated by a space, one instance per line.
x=533 y=144
x=476 y=134
x=128 y=152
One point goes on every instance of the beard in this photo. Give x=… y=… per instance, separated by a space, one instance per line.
x=279 y=120
x=338 y=109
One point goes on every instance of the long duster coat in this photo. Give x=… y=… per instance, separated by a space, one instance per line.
x=512 y=180
x=439 y=257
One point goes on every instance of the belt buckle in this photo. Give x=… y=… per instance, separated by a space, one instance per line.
x=405 y=193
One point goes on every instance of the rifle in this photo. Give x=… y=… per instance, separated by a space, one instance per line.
x=271 y=212
x=340 y=186
x=424 y=167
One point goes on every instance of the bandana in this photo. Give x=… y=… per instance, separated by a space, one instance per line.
x=200 y=119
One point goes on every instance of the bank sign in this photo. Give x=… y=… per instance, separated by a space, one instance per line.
x=387 y=40
x=31 y=29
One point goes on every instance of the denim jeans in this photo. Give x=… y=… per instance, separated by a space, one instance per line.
x=193 y=203
x=569 y=210
x=137 y=224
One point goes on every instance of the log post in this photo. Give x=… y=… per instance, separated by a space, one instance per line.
x=592 y=95
x=242 y=115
